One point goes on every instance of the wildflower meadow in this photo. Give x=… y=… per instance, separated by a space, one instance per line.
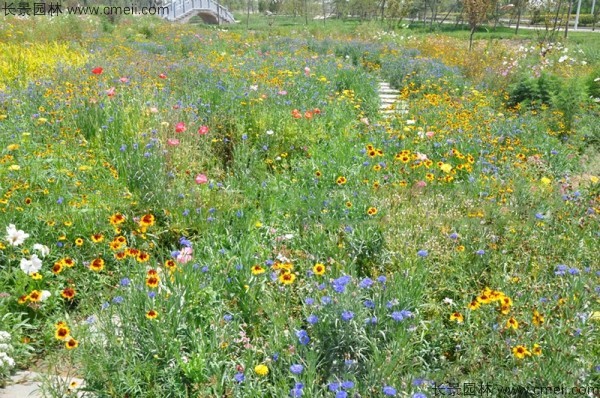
x=196 y=211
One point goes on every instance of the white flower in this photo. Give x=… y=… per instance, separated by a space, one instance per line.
x=4 y=336
x=597 y=79
x=43 y=249
x=15 y=237
x=31 y=266
x=409 y=122
x=4 y=347
x=5 y=359
x=270 y=132
x=563 y=59
x=45 y=295
x=448 y=301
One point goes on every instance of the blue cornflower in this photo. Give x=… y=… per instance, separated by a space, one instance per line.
x=389 y=391
x=227 y=317
x=309 y=301
x=539 y=216
x=60 y=200
x=312 y=319
x=422 y=253
x=382 y=279
x=302 y=336
x=560 y=269
x=453 y=235
x=339 y=284
x=296 y=369
x=326 y=300
x=573 y=271
x=366 y=283
x=347 y=315
x=341 y=394
x=480 y=252
x=419 y=395
x=334 y=386
x=151 y=294
x=275 y=356
x=239 y=377
x=397 y=316
x=185 y=242
x=369 y=304
x=118 y=299
x=125 y=282
x=347 y=385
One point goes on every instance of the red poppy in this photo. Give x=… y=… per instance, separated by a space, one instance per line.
x=97 y=71
x=162 y=76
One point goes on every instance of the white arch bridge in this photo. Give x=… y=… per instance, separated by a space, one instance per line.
x=209 y=10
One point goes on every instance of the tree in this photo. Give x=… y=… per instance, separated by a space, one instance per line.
x=476 y=13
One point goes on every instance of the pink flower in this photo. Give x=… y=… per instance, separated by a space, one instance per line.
x=420 y=184
x=110 y=92
x=282 y=92
x=153 y=110
x=203 y=130
x=307 y=71
x=124 y=80
x=180 y=127
x=185 y=255
x=172 y=142
x=429 y=134
x=201 y=179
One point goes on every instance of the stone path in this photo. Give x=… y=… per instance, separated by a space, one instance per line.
x=390 y=104
x=26 y=384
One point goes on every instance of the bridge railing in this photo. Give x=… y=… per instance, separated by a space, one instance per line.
x=179 y=8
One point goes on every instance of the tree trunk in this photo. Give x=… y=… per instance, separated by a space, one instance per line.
x=471 y=37
x=568 y=17
x=518 y=18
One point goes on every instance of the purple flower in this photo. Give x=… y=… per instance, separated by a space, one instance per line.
x=309 y=301
x=419 y=395
x=397 y=316
x=239 y=377
x=341 y=394
x=185 y=242
x=480 y=252
x=347 y=315
x=296 y=369
x=312 y=319
x=118 y=299
x=422 y=253
x=389 y=391
x=453 y=235
x=227 y=317
x=60 y=200
x=339 y=284
x=573 y=271
x=326 y=300
x=348 y=384
x=382 y=279
x=334 y=386
x=125 y=282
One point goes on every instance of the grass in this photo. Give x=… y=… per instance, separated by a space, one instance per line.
x=226 y=213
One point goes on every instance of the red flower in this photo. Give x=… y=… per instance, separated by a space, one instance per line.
x=162 y=76
x=180 y=127
x=97 y=71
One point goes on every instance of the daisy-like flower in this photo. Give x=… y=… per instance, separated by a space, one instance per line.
x=257 y=270
x=520 y=352
x=15 y=237
x=457 y=316
x=68 y=293
x=97 y=265
x=512 y=323
x=97 y=238
x=319 y=269
x=287 y=278
x=152 y=314
x=372 y=211
x=62 y=332
x=71 y=344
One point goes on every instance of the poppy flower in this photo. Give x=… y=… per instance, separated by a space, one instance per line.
x=203 y=130
x=201 y=179
x=97 y=71
x=180 y=127
x=162 y=76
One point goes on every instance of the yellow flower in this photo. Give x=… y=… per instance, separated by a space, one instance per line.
x=79 y=241
x=537 y=350
x=473 y=305
x=287 y=278
x=151 y=314
x=257 y=270
x=546 y=181
x=261 y=370
x=319 y=269
x=258 y=224
x=538 y=319
x=520 y=352
x=512 y=323
x=14 y=167
x=594 y=179
x=457 y=316
x=13 y=147
x=446 y=168
x=71 y=344
x=372 y=211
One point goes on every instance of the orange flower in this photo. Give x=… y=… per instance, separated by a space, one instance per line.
x=97 y=265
